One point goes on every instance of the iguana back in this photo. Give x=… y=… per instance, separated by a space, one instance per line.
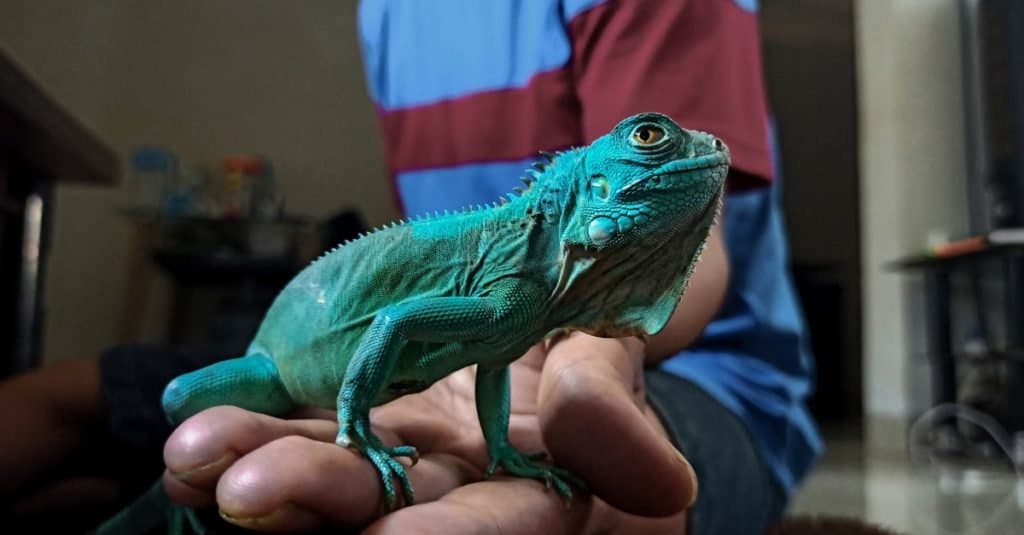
x=318 y=320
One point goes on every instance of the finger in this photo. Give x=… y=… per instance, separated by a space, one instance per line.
x=506 y=506
x=204 y=446
x=296 y=483
x=593 y=423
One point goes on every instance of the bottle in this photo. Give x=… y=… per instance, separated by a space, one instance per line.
x=154 y=173
x=240 y=174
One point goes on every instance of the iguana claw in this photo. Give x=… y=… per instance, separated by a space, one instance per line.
x=520 y=464
x=384 y=459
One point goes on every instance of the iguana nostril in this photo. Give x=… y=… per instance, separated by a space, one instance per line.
x=718 y=144
x=601 y=229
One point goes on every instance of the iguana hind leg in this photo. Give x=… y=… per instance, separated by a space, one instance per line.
x=249 y=382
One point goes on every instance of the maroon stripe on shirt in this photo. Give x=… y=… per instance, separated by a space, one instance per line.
x=505 y=124
x=697 y=61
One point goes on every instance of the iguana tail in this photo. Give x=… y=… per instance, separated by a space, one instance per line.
x=250 y=382
x=142 y=516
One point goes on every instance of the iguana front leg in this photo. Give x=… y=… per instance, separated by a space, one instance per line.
x=445 y=320
x=493 y=401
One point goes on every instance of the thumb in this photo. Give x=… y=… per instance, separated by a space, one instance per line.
x=596 y=423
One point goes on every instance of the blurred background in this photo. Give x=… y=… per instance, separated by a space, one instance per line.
x=211 y=148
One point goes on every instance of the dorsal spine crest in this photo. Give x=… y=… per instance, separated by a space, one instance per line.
x=537 y=184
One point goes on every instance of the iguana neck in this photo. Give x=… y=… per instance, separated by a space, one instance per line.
x=548 y=197
x=605 y=294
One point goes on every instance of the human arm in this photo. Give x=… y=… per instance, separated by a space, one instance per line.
x=698 y=305
x=50 y=413
x=62 y=469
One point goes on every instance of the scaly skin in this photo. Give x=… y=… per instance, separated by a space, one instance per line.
x=603 y=240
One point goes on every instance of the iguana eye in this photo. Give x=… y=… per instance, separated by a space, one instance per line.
x=647 y=135
x=600 y=186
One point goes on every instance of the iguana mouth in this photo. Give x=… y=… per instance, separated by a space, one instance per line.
x=683 y=173
x=714 y=159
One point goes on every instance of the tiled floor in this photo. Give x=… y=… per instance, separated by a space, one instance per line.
x=881 y=486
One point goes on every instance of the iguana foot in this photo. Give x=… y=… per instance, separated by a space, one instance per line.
x=359 y=437
x=521 y=464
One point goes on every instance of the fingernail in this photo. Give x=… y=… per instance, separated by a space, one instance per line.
x=201 y=472
x=288 y=516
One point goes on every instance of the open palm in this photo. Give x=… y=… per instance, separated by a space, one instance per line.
x=582 y=400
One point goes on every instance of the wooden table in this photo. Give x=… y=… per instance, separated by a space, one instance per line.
x=41 y=144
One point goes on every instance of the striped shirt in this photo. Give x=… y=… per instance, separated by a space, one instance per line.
x=468 y=92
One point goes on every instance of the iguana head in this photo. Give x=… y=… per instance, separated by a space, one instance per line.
x=637 y=206
x=646 y=179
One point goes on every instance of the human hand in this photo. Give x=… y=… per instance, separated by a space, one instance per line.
x=582 y=400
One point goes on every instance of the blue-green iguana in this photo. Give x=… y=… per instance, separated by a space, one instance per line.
x=603 y=240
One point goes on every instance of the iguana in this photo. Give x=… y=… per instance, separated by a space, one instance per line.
x=603 y=240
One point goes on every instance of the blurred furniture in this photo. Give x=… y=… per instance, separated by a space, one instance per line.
x=224 y=273
x=40 y=145
x=219 y=268
x=822 y=293
x=243 y=287
x=943 y=356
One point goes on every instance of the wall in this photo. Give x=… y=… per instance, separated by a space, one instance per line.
x=205 y=79
x=912 y=166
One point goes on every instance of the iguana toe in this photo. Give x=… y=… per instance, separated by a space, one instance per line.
x=525 y=465
x=390 y=469
x=384 y=459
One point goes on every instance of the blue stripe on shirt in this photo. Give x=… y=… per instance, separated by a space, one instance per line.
x=526 y=37
x=452 y=188
x=749 y=5
x=571 y=8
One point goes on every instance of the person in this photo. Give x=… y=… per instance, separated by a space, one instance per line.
x=506 y=79
x=702 y=430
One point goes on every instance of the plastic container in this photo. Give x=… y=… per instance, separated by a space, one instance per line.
x=154 y=173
